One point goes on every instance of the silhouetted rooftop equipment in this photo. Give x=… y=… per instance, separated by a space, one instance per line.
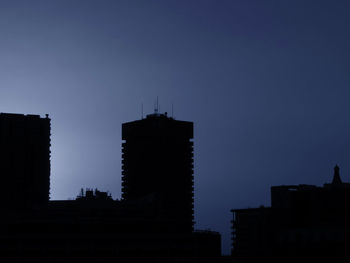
x=336 y=176
x=91 y=194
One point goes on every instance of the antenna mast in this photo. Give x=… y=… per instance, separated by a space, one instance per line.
x=172 y=110
x=141 y=111
x=156 y=108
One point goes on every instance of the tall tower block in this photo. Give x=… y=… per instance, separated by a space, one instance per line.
x=157 y=155
x=24 y=160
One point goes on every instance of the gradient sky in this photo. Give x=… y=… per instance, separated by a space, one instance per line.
x=266 y=84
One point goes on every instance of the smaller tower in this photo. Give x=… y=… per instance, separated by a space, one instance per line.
x=336 y=176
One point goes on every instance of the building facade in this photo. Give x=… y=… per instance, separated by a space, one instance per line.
x=157 y=162
x=305 y=223
x=24 y=160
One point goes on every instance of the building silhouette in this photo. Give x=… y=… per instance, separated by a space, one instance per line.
x=152 y=223
x=157 y=160
x=24 y=160
x=305 y=223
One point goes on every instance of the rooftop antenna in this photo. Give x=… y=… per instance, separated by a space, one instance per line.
x=172 y=110
x=157 y=105
x=141 y=111
x=156 y=108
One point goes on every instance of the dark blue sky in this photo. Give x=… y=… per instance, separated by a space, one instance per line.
x=266 y=84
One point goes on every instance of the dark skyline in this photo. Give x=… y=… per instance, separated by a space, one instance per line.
x=266 y=84
x=152 y=223
x=303 y=223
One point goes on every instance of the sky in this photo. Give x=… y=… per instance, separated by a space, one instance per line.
x=266 y=84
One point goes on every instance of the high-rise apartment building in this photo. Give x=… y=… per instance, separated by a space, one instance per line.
x=24 y=160
x=158 y=163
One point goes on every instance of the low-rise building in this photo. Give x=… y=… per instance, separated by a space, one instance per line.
x=304 y=222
